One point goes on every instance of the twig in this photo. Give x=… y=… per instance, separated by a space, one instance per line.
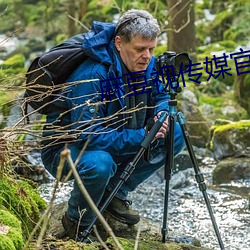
x=99 y=238
x=77 y=21
x=137 y=236
x=45 y=217
x=66 y=154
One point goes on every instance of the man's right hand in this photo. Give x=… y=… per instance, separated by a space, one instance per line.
x=164 y=128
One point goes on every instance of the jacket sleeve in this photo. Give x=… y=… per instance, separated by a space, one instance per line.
x=89 y=117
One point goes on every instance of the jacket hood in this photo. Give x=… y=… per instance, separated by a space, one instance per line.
x=98 y=42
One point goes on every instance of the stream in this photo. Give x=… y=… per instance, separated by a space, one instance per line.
x=187 y=212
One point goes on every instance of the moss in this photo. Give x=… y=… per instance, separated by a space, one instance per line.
x=13 y=239
x=221 y=122
x=16 y=237
x=9 y=219
x=6 y=243
x=214 y=101
x=220 y=132
x=22 y=200
x=13 y=71
x=128 y=244
x=16 y=61
x=235 y=125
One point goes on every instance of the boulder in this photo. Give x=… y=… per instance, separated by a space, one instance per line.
x=231 y=169
x=150 y=235
x=231 y=139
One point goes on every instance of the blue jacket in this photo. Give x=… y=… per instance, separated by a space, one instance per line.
x=102 y=123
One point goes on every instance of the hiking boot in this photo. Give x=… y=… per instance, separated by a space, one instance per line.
x=121 y=211
x=75 y=231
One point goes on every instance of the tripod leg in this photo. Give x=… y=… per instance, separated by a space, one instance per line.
x=129 y=169
x=168 y=173
x=199 y=176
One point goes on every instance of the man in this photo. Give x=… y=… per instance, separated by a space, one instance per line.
x=109 y=114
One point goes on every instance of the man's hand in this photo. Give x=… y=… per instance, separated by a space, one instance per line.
x=164 y=128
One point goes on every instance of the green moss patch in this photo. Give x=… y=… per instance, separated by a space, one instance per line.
x=22 y=200
x=128 y=244
x=10 y=231
x=242 y=125
x=231 y=134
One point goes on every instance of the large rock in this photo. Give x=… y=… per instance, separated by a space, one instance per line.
x=150 y=235
x=231 y=139
x=231 y=169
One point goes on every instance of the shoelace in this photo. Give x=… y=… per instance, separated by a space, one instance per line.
x=127 y=203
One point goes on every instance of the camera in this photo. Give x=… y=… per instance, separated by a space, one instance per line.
x=168 y=58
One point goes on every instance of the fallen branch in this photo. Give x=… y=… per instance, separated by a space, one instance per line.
x=65 y=154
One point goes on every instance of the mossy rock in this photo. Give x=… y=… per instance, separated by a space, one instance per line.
x=232 y=139
x=128 y=244
x=150 y=235
x=11 y=237
x=221 y=105
x=21 y=199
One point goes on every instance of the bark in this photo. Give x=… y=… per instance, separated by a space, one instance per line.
x=72 y=12
x=181 y=34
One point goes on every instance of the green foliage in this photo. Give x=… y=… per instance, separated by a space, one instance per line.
x=16 y=61
x=221 y=23
x=22 y=200
x=218 y=102
x=13 y=66
x=6 y=243
x=229 y=23
x=214 y=101
x=13 y=239
x=160 y=50
x=44 y=20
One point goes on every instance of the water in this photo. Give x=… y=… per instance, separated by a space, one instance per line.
x=187 y=212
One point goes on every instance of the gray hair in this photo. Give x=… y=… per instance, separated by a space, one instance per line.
x=137 y=22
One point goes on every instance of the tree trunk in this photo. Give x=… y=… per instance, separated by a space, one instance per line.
x=181 y=34
x=83 y=7
x=72 y=13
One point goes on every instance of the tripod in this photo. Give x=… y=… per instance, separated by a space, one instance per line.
x=169 y=159
x=169 y=60
x=129 y=169
x=170 y=162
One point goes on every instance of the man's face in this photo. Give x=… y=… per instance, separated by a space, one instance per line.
x=137 y=53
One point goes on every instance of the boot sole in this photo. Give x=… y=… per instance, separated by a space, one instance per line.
x=121 y=219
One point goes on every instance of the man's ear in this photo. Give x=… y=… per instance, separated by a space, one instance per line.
x=118 y=42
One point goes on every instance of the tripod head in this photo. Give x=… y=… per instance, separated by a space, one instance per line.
x=169 y=64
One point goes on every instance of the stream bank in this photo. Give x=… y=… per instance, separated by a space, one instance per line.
x=188 y=216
